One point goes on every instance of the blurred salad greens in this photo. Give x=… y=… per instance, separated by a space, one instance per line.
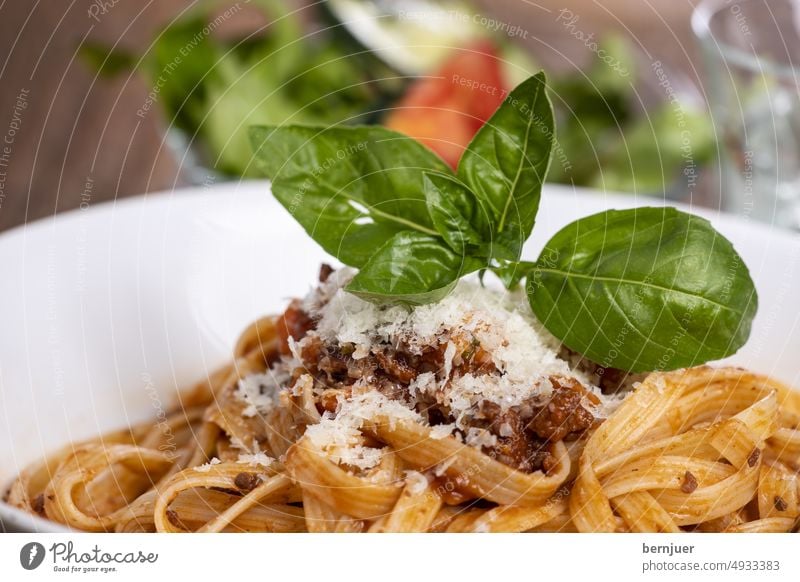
x=605 y=138
x=212 y=85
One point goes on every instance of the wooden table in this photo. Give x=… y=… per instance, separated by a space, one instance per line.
x=70 y=139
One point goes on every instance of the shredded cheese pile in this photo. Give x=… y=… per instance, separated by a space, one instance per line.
x=524 y=355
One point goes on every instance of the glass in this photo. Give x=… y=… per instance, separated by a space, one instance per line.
x=751 y=50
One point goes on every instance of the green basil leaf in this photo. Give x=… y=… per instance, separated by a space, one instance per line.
x=457 y=214
x=511 y=273
x=411 y=268
x=507 y=160
x=644 y=289
x=351 y=188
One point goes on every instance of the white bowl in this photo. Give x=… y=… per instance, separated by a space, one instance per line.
x=106 y=312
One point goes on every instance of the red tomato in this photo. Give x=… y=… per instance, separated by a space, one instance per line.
x=445 y=131
x=445 y=110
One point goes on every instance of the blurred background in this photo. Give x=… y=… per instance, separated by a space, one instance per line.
x=103 y=99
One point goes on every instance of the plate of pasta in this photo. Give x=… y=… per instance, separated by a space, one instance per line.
x=111 y=312
x=373 y=341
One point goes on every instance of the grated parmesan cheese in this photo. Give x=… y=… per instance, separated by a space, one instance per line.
x=416 y=482
x=441 y=431
x=260 y=391
x=424 y=383
x=205 y=468
x=480 y=437
x=524 y=354
x=441 y=468
x=257 y=459
x=339 y=436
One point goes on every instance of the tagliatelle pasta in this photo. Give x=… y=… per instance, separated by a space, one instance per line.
x=706 y=449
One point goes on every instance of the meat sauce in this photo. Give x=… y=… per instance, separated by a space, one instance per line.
x=524 y=433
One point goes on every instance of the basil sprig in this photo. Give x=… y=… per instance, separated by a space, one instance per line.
x=642 y=289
